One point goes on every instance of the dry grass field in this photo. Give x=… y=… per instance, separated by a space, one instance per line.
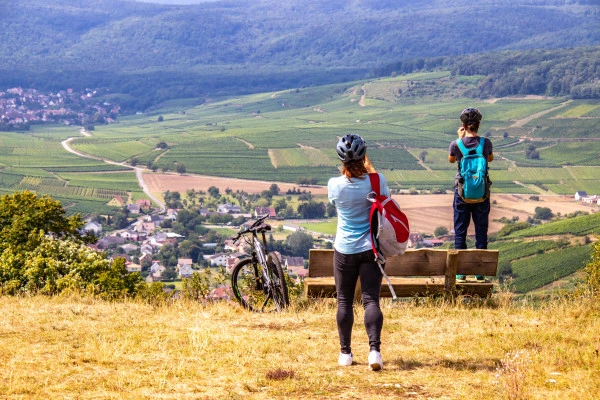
x=77 y=348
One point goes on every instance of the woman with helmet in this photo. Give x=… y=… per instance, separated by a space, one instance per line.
x=463 y=211
x=353 y=255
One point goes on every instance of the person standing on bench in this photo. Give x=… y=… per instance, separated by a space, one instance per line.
x=353 y=255
x=466 y=206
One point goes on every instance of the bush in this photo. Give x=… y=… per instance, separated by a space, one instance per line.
x=512 y=227
x=440 y=230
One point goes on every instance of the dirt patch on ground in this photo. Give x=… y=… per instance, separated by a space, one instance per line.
x=160 y=183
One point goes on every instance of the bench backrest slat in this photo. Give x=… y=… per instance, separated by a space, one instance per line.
x=416 y=262
x=477 y=262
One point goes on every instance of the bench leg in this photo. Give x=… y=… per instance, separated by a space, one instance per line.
x=450 y=275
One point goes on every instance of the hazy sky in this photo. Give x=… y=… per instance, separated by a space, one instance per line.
x=176 y=1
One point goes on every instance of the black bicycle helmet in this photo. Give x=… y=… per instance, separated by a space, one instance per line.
x=470 y=116
x=351 y=147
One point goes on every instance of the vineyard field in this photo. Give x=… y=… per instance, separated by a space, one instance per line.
x=578 y=226
x=537 y=271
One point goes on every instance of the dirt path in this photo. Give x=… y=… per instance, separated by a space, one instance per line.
x=138 y=171
x=161 y=154
x=362 y=98
x=250 y=145
x=522 y=122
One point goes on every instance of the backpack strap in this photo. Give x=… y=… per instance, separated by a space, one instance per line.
x=479 y=149
x=373 y=216
x=464 y=150
x=375 y=185
x=461 y=146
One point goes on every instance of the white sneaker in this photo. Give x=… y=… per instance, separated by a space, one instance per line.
x=345 y=360
x=375 y=361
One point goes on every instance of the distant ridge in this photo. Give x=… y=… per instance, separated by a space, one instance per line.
x=167 y=51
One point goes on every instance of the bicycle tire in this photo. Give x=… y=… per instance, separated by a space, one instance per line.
x=279 y=284
x=249 y=289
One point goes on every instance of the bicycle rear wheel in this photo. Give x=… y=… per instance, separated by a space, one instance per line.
x=278 y=283
x=249 y=287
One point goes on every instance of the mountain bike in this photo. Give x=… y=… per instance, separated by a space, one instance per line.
x=258 y=282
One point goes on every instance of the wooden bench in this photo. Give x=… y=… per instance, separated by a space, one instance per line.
x=419 y=272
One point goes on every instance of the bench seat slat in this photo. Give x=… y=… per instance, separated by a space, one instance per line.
x=404 y=287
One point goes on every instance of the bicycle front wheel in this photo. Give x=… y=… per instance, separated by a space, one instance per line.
x=279 y=287
x=249 y=288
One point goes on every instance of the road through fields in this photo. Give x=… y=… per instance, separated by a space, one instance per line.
x=138 y=171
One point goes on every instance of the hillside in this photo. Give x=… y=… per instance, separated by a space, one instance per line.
x=89 y=349
x=198 y=50
x=282 y=136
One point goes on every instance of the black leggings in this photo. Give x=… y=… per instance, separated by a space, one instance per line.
x=347 y=268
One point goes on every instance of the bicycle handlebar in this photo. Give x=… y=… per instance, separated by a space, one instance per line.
x=257 y=226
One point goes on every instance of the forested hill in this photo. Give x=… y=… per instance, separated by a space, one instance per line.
x=251 y=45
x=556 y=72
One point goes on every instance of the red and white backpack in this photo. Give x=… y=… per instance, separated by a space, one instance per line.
x=389 y=225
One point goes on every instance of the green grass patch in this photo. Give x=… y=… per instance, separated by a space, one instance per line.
x=326 y=227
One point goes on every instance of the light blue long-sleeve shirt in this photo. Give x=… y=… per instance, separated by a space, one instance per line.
x=350 y=198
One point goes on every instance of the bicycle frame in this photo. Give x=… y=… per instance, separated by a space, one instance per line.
x=259 y=256
x=261 y=268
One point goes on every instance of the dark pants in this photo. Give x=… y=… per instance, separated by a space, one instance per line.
x=463 y=212
x=347 y=269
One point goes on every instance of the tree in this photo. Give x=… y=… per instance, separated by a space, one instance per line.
x=41 y=251
x=267 y=194
x=312 y=209
x=23 y=215
x=172 y=199
x=181 y=169
x=214 y=191
x=299 y=244
x=160 y=118
x=543 y=213
x=162 y=145
x=532 y=153
x=422 y=155
x=280 y=205
x=274 y=189
x=440 y=230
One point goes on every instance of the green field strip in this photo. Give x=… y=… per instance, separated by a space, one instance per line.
x=510 y=187
x=569 y=188
x=584 y=172
x=533 y=175
x=578 y=110
x=580 y=153
x=303 y=157
x=540 y=270
x=123 y=181
x=103 y=167
x=421 y=178
x=513 y=250
x=116 y=149
x=579 y=226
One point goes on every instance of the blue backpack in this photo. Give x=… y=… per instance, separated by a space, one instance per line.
x=474 y=183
